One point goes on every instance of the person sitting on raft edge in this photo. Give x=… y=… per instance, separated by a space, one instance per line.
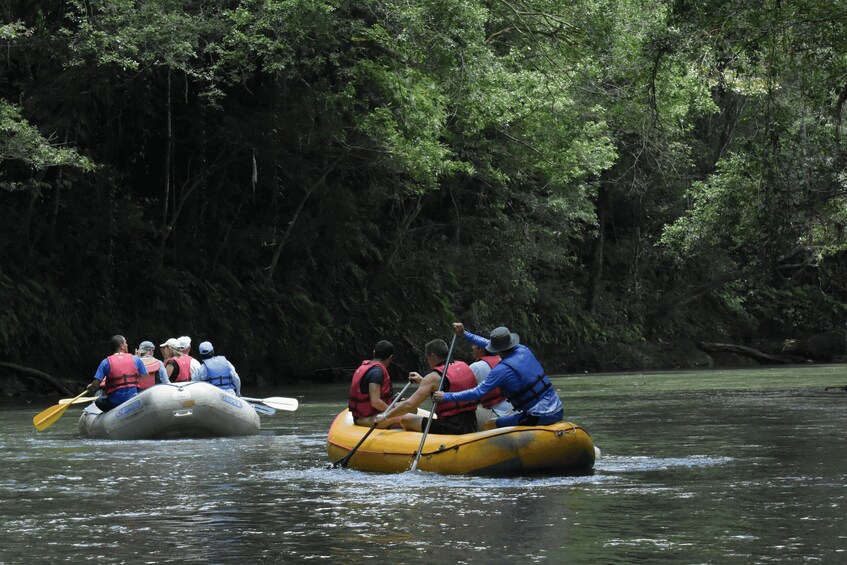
x=452 y=418
x=520 y=377
x=217 y=370
x=118 y=375
x=177 y=365
x=370 y=387
x=494 y=404
x=155 y=368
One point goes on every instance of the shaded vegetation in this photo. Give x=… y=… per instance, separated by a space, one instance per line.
x=296 y=179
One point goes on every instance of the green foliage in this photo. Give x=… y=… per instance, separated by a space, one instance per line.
x=20 y=141
x=590 y=173
x=722 y=215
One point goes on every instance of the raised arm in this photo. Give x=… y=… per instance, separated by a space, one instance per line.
x=478 y=340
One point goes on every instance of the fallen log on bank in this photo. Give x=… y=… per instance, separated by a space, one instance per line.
x=760 y=356
x=39 y=376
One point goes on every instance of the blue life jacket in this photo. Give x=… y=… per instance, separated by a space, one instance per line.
x=218 y=373
x=533 y=382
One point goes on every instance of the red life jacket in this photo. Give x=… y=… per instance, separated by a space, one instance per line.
x=152 y=365
x=184 y=364
x=360 y=402
x=122 y=373
x=460 y=377
x=494 y=396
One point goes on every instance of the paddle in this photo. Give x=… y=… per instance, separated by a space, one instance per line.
x=78 y=400
x=47 y=418
x=276 y=402
x=429 y=420
x=346 y=459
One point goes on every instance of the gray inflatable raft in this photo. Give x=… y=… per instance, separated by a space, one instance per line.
x=183 y=410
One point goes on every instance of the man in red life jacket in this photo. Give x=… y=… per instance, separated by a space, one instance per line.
x=370 y=389
x=118 y=375
x=454 y=417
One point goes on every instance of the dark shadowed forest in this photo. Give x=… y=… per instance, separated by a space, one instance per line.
x=624 y=184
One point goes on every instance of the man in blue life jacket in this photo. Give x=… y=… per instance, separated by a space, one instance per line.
x=217 y=370
x=520 y=377
x=117 y=375
x=494 y=404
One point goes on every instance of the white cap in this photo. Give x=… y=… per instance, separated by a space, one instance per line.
x=185 y=342
x=173 y=344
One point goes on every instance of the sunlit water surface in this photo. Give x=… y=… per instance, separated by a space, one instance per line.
x=698 y=467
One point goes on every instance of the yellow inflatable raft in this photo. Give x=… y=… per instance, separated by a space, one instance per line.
x=558 y=449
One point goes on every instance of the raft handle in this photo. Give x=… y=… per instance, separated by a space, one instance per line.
x=560 y=433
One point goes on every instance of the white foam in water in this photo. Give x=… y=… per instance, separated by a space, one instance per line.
x=340 y=478
x=642 y=463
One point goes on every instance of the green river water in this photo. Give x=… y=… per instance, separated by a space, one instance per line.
x=742 y=466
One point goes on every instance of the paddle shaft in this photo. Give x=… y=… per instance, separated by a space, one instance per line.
x=429 y=419
x=344 y=460
x=78 y=400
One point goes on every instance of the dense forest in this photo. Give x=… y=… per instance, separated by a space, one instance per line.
x=614 y=180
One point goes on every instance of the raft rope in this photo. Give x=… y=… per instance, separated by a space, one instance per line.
x=558 y=433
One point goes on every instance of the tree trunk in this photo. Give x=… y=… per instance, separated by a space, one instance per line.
x=39 y=376
x=166 y=228
x=679 y=300
x=839 y=106
x=761 y=357
x=281 y=244
x=596 y=273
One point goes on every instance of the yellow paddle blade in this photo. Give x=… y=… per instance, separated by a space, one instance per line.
x=47 y=418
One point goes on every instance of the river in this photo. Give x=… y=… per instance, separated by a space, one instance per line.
x=741 y=466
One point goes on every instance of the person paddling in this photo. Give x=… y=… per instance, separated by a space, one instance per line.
x=451 y=417
x=493 y=404
x=217 y=370
x=520 y=377
x=118 y=375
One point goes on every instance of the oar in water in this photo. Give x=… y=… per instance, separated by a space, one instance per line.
x=276 y=402
x=346 y=459
x=47 y=418
x=429 y=420
x=262 y=409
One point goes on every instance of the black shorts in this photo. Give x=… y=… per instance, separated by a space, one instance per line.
x=104 y=404
x=461 y=423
